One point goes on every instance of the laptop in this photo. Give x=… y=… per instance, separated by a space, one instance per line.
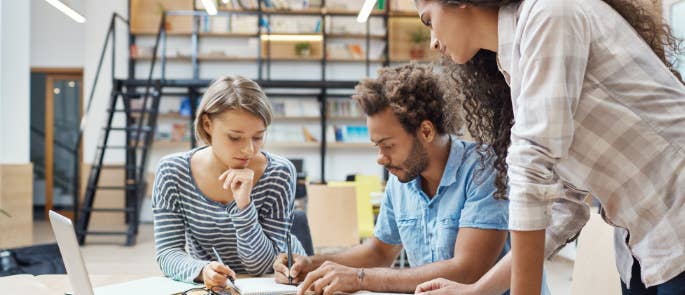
x=71 y=254
x=78 y=274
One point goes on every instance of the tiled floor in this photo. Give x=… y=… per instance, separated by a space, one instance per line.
x=105 y=256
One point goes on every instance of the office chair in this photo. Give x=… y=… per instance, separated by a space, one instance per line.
x=300 y=229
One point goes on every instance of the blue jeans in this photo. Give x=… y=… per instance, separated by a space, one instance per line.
x=676 y=286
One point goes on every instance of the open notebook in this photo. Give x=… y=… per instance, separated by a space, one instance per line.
x=166 y=286
x=263 y=286
x=268 y=286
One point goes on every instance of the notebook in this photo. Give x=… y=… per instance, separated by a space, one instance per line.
x=165 y=286
x=264 y=286
x=268 y=286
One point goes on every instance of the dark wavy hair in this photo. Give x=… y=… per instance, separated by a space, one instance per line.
x=487 y=97
x=414 y=93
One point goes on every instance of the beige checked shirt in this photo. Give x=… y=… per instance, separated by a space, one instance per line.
x=596 y=112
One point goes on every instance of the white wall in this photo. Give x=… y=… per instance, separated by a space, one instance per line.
x=674 y=12
x=99 y=14
x=14 y=81
x=56 y=40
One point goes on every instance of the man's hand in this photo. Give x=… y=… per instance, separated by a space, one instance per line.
x=301 y=266
x=443 y=286
x=330 y=278
x=215 y=274
x=239 y=181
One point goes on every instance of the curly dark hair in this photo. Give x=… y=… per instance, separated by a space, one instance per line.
x=487 y=97
x=414 y=93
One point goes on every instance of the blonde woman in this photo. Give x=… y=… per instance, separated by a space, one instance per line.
x=227 y=193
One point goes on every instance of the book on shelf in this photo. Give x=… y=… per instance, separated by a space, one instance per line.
x=403 y=5
x=230 y=4
x=348 y=25
x=343 y=108
x=217 y=24
x=355 y=50
x=173 y=132
x=180 y=132
x=293 y=133
x=163 y=132
x=291 y=4
x=289 y=107
x=352 y=133
x=279 y=24
x=246 y=24
x=351 y=5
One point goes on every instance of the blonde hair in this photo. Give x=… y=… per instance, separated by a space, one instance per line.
x=231 y=93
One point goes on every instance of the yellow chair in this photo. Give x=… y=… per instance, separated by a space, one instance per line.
x=364 y=186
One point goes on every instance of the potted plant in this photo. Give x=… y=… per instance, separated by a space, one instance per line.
x=303 y=49
x=418 y=38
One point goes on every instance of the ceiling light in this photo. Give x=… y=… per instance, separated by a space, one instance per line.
x=366 y=10
x=77 y=17
x=210 y=6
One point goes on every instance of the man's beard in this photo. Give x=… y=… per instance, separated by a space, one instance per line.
x=416 y=162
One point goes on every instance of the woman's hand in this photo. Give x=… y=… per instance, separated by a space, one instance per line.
x=215 y=274
x=240 y=183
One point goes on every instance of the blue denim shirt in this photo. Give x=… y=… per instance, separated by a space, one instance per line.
x=427 y=227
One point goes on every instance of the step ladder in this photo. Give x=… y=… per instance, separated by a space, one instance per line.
x=139 y=129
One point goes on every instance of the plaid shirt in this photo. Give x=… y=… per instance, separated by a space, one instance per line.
x=596 y=112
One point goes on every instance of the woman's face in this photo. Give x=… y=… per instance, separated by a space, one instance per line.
x=452 y=29
x=237 y=137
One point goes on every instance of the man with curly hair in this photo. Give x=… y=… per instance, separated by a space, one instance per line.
x=439 y=203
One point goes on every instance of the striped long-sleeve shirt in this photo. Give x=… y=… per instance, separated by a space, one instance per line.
x=188 y=224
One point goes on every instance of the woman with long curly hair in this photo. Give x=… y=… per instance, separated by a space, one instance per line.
x=573 y=99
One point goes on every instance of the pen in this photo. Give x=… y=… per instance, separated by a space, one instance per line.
x=218 y=258
x=290 y=259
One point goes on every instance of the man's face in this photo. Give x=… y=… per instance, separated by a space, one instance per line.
x=401 y=153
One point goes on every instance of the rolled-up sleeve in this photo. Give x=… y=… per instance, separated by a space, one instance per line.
x=554 y=50
x=481 y=209
x=569 y=216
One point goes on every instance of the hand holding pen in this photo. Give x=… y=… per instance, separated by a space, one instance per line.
x=300 y=267
x=216 y=273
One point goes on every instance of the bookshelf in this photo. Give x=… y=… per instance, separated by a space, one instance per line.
x=182 y=144
x=386 y=40
x=295 y=125
x=268 y=38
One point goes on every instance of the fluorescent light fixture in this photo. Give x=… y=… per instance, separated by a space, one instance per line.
x=366 y=11
x=292 y=37
x=70 y=12
x=210 y=6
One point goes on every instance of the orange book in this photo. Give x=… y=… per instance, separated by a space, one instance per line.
x=355 y=50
